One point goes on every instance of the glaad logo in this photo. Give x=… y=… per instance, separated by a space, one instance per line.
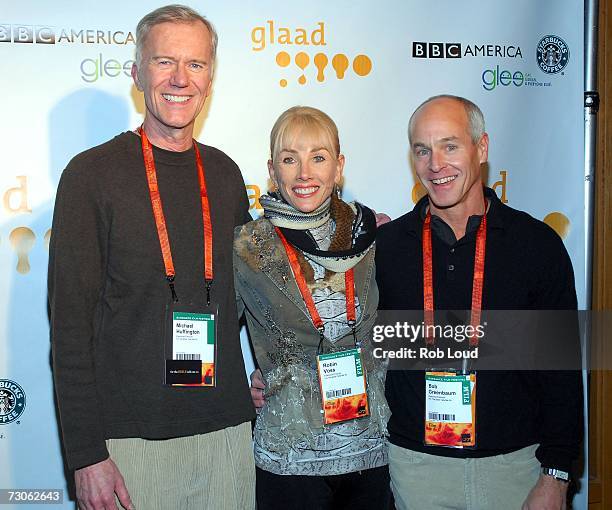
x=454 y=50
x=552 y=54
x=270 y=34
x=12 y=401
x=44 y=34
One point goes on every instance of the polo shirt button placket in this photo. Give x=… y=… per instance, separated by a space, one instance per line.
x=450 y=267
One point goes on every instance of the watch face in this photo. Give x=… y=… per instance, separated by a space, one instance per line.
x=557 y=474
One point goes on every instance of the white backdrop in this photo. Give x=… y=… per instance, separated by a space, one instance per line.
x=66 y=87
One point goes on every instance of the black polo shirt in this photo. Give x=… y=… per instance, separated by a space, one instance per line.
x=526 y=268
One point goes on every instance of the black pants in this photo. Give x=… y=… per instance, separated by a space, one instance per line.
x=361 y=490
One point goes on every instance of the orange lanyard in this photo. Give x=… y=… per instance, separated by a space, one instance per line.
x=477 y=284
x=160 y=220
x=349 y=282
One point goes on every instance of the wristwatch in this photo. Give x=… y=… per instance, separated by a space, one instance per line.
x=557 y=474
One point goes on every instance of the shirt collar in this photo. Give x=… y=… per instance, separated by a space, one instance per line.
x=495 y=216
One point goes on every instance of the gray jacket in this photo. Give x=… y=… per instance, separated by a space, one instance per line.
x=285 y=339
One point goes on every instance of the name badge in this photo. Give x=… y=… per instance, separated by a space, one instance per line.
x=190 y=360
x=450 y=409
x=343 y=386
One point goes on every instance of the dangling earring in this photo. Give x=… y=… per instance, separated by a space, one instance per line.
x=272 y=186
x=338 y=191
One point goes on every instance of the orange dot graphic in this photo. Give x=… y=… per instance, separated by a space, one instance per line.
x=559 y=223
x=320 y=61
x=418 y=192
x=283 y=83
x=302 y=59
x=362 y=65
x=340 y=64
x=22 y=239
x=283 y=59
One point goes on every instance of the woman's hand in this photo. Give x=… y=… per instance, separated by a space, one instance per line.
x=258 y=385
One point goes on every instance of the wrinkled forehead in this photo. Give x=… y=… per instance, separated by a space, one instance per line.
x=441 y=116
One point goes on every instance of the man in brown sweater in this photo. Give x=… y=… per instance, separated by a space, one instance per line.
x=149 y=376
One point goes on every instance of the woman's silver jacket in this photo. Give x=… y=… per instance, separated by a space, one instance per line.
x=285 y=340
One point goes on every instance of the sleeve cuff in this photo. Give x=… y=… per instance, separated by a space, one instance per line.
x=557 y=458
x=83 y=458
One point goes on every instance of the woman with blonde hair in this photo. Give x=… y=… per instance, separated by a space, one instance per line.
x=305 y=278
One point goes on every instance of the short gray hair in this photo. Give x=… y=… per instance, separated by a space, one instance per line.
x=475 y=117
x=174 y=13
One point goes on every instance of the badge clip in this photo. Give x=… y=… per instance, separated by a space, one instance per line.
x=170 y=279
x=208 y=286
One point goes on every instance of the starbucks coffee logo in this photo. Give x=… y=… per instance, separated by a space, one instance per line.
x=12 y=401
x=552 y=54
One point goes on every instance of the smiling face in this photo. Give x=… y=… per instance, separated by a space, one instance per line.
x=446 y=159
x=305 y=169
x=175 y=75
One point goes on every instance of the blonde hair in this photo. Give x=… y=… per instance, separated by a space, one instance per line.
x=309 y=121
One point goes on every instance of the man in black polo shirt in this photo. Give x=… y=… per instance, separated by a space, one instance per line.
x=529 y=424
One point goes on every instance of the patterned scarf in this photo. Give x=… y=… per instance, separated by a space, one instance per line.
x=283 y=215
x=353 y=236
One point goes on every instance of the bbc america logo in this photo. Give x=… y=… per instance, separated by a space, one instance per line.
x=422 y=49
x=12 y=401
x=27 y=34
x=44 y=34
x=436 y=50
x=552 y=54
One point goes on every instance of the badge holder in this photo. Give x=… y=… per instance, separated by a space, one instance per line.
x=450 y=408
x=190 y=333
x=343 y=386
x=190 y=345
x=450 y=395
x=341 y=374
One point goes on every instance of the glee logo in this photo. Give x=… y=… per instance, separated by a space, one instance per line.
x=492 y=78
x=93 y=69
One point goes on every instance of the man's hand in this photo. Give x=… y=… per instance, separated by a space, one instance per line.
x=258 y=386
x=548 y=494
x=96 y=486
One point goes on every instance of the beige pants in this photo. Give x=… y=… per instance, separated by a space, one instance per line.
x=428 y=482
x=213 y=471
